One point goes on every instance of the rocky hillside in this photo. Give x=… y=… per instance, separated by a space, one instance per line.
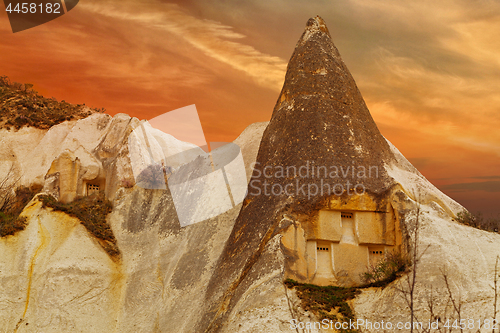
x=227 y=272
x=20 y=106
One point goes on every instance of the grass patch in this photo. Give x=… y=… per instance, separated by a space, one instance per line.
x=331 y=302
x=20 y=106
x=478 y=221
x=10 y=224
x=10 y=221
x=326 y=302
x=392 y=266
x=91 y=211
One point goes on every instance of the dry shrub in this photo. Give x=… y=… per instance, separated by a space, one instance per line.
x=478 y=221
x=91 y=211
x=328 y=302
x=10 y=224
x=388 y=269
x=12 y=205
x=20 y=106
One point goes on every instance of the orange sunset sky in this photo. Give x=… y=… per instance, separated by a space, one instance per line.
x=429 y=70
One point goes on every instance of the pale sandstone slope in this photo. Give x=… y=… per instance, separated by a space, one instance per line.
x=56 y=278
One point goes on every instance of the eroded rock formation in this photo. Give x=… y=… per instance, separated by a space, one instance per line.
x=225 y=274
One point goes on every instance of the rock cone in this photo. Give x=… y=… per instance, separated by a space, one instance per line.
x=321 y=142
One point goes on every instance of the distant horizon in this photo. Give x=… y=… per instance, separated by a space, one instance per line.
x=428 y=73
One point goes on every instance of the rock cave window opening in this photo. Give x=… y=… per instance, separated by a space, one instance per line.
x=92 y=188
x=346 y=215
x=324 y=259
x=376 y=253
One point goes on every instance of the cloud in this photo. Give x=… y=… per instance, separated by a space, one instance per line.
x=212 y=38
x=82 y=51
x=488 y=186
x=487 y=177
x=436 y=65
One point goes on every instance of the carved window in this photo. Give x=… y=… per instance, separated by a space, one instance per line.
x=91 y=189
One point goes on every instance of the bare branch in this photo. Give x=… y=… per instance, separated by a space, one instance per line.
x=457 y=305
x=495 y=284
x=8 y=185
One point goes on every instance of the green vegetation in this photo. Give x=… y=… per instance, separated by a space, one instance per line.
x=21 y=106
x=13 y=199
x=12 y=204
x=91 y=211
x=326 y=302
x=332 y=302
x=477 y=221
x=392 y=266
x=10 y=224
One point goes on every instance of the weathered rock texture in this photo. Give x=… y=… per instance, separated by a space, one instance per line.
x=56 y=278
x=226 y=274
x=320 y=120
x=71 y=155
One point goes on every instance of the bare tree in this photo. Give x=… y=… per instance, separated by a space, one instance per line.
x=8 y=185
x=495 y=288
x=457 y=304
x=452 y=312
x=415 y=258
x=411 y=279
